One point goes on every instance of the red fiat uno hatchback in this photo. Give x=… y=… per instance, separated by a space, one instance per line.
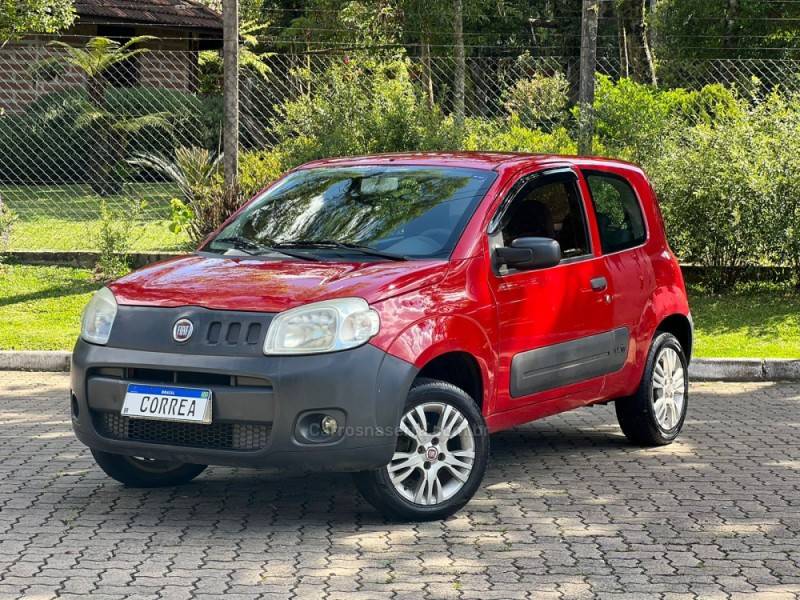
x=383 y=315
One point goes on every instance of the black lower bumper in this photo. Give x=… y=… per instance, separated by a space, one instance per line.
x=260 y=407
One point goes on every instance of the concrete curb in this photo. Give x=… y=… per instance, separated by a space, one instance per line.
x=34 y=360
x=86 y=260
x=701 y=369
x=744 y=369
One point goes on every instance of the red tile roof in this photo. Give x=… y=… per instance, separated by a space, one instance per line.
x=172 y=13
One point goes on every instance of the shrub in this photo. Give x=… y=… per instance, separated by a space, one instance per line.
x=7 y=219
x=632 y=119
x=57 y=146
x=539 y=101
x=206 y=201
x=710 y=179
x=780 y=135
x=187 y=115
x=257 y=169
x=115 y=239
x=360 y=107
x=513 y=136
x=45 y=145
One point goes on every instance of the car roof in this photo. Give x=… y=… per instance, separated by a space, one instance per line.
x=490 y=161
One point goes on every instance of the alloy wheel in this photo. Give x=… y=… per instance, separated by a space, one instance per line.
x=435 y=454
x=669 y=389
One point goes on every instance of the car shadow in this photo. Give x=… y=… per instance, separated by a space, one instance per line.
x=521 y=459
x=58 y=291
x=264 y=500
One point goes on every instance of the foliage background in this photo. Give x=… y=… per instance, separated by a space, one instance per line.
x=675 y=93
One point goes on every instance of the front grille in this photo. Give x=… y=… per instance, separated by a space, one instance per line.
x=141 y=375
x=233 y=333
x=215 y=332
x=217 y=436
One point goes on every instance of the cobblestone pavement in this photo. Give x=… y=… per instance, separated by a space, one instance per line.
x=568 y=510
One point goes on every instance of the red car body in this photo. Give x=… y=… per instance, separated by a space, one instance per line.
x=382 y=315
x=460 y=308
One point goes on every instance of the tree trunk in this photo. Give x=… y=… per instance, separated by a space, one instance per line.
x=567 y=39
x=637 y=54
x=5 y=229
x=427 y=68
x=230 y=59
x=461 y=65
x=105 y=180
x=623 y=49
x=731 y=14
x=590 y=10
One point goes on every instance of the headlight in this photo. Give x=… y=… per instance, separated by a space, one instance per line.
x=322 y=327
x=98 y=317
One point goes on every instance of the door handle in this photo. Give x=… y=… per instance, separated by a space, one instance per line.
x=599 y=284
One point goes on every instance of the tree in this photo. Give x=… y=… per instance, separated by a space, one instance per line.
x=109 y=131
x=461 y=65
x=689 y=29
x=97 y=57
x=635 y=51
x=253 y=63
x=21 y=17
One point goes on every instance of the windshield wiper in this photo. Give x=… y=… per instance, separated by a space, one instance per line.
x=254 y=248
x=340 y=245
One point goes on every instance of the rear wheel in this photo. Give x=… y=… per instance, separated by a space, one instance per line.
x=654 y=415
x=441 y=455
x=135 y=471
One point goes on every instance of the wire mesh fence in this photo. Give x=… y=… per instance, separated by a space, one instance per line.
x=67 y=139
x=74 y=140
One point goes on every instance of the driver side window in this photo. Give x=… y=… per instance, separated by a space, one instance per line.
x=549 y=207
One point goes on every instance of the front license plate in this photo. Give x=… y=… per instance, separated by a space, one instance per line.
x=167 y=403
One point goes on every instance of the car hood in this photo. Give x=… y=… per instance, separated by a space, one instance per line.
x=269 y=286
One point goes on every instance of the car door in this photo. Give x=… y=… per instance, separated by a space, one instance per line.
x=556 y=334
x=622 y=230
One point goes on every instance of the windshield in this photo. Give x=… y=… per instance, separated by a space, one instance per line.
x=397 y=212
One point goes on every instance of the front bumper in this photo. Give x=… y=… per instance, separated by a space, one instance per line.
x=257 y=403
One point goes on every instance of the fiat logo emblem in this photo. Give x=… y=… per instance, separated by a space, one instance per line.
x=182 y=330
x=432 y=453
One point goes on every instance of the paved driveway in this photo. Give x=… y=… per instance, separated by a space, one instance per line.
x=568 y=510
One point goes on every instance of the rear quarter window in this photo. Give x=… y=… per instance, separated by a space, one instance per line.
x=619 y=215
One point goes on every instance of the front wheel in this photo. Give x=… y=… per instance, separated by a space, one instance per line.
x=441 y=455
x=134 y=471
x=654 y=415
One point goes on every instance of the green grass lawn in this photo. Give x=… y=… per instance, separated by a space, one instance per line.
x=40 y=307
x=755 y=324
x=67 y=217
x=40 y=310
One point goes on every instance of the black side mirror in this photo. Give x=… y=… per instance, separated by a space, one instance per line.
x=530 y=253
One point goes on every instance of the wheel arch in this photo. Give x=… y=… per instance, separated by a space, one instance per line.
x=681 y=327
x=459 y=368
x=453 y=347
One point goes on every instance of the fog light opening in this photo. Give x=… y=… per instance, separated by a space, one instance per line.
x=328 y=425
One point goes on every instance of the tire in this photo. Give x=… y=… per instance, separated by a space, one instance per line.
x=654 y=415
x=145 y=473
x=415 y=495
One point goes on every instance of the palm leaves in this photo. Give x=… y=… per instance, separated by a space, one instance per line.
x=249 y=59
x=101 y=53
x=91 y=116
x=110 y=131
x=194 y=170
x=251 y=62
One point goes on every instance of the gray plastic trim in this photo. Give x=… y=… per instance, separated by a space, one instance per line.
x=568 y=362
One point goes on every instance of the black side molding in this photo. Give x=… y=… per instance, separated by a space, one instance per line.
x=569 y=362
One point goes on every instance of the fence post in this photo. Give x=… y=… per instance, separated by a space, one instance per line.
x=460 y=73
x=588 y=66
x=230 y=49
